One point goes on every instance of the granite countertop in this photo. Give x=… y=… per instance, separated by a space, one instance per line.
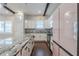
x=15 y=48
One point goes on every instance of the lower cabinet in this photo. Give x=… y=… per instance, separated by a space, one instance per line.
x=51 y=47
x=55 y=50
x=28 y=49
x=63 y=53
x=24 y=51
x=19 y=53
x=58 y=51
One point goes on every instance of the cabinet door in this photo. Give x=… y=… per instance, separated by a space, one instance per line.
x=68 y=16
x=19 y=54
x=56 y=31
x=24 y=52
x=55 y=50
x=51 y=47
x=63 y=53
x=56 y=25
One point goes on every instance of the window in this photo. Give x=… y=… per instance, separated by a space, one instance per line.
x=51 y=23
x=8 y=26
x=1 y=26
x=1 y=42
x=5 y=26
x=39 y=24
x=7 y=41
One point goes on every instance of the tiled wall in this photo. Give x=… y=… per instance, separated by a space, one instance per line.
x=40 y=36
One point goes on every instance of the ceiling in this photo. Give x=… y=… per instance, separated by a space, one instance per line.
x=4 y=11
x=33 y=8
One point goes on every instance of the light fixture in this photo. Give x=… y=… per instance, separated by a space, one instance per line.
x=40 y=17
x=25 y=21
x=39 y=11
x=20 y=15
x=7 y=12
x=67 y=13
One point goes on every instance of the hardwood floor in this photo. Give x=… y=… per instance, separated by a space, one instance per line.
x=41 y=49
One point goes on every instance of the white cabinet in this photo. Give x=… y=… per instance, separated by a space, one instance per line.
x=56 y=31
x=26 y=51
x=65 y=28
x=68 y=15
x=63 y=53
x=55 y=50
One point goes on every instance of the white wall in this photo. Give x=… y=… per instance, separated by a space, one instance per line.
x=4 y=37
x=17 y=28
x=30 y=22
x=6 y=18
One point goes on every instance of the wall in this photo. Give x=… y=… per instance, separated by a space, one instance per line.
x=6 y=18
x=17 y=29
x=7 y=37
x=30 y=21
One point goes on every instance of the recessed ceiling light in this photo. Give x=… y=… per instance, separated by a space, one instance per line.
x=20 y=13
x=39 y=11
x=7 y=12
x=67 y=14
x=25 y=21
